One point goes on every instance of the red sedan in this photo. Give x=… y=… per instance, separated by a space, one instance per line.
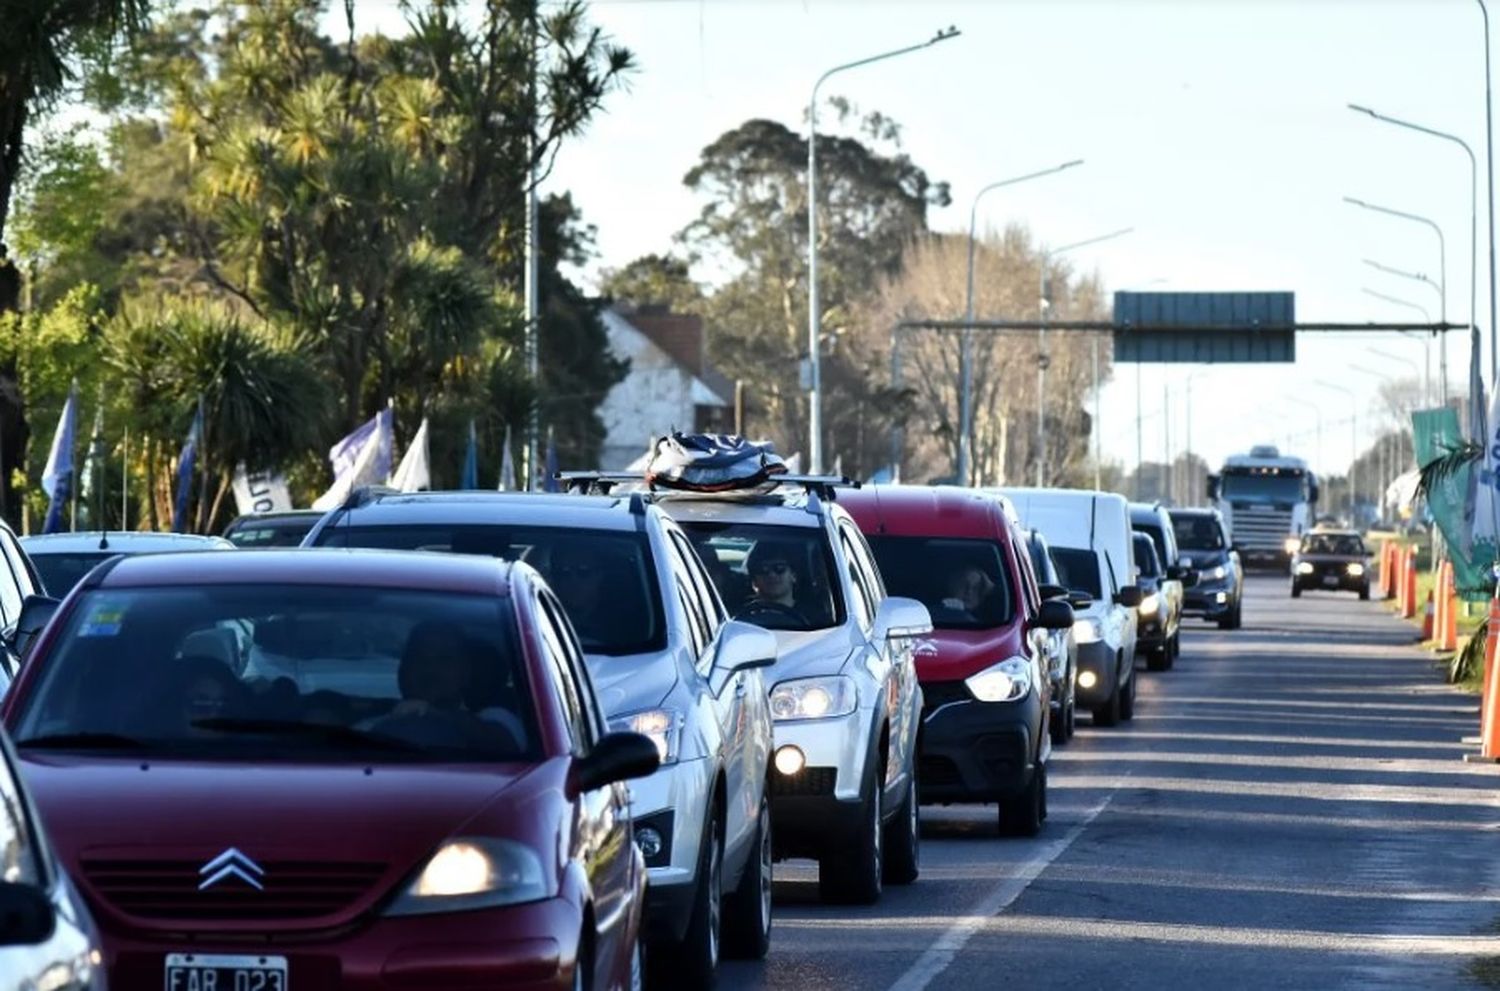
x=305 y=771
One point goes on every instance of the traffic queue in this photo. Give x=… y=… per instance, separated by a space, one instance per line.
x=475 y=739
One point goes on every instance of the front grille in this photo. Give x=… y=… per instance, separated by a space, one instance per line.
x=1262 y=528
x=810 y=781
x=168 y=889
x=939 y=693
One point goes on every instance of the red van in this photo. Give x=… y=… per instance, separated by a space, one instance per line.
x=984 y=680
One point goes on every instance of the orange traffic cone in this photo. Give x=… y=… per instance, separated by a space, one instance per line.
x=1448 y=633
x=1388 y=570
x=1439 y=587
x=1429 y=619
x=1409 y=585
x=1489 y=706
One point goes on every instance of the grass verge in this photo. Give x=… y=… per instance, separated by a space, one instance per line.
x=1485 y=971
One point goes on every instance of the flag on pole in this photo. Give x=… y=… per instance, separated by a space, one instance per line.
x=507 y=466
x=91 y=480
x=361 y=458
x=187 y=461
x=549 y=483
x=415 y=471
x=470 y=477
x=57 y=476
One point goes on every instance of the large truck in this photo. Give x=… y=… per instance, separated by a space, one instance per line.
x=1267 y=500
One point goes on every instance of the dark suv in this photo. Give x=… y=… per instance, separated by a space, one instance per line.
x=1331 y=560
x=1204 y=545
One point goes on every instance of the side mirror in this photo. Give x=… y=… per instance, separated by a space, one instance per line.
x=900 y=618
x=1051 y=591
x=1211 y=487
x=26 y=915
x=742 y=647
x=36 y=611
x=1054 y=615
x=1080 y=600
x=1130 y=596
x=616 y=757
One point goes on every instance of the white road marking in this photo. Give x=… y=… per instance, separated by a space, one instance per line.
x=941 y=953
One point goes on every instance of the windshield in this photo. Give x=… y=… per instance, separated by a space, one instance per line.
x=1041 y=562
x=605 y=579
x=1268 y=487
x=1198 y=533
x=1145 y=557
x=271 y=533
x=963 y=583
x=778 y=577
x=291 y=671
x=1158 y=539
x=60 y=572
x=1344 y=544
x=1078 y=571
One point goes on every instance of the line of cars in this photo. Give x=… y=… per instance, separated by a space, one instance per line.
x=790 y=673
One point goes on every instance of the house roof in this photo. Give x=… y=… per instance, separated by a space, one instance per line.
x=681 y=336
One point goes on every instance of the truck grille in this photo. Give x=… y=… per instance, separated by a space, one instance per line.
x=1261 y=529
x=168 y=889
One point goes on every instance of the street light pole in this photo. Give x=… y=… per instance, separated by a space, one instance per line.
x=1426 y=341
x=1353 y=444
x=966 y=346
x=1489 y=171
x=1442 y=276
x=814 y=316
x=1041 y=364
x=1473 y=214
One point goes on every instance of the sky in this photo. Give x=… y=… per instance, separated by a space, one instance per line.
x=1217 y=129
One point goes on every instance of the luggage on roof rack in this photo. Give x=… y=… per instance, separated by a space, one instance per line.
x=604 y=483
x=712 y=463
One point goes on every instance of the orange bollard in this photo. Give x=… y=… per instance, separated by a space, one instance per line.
x=1489 y=706
x=1409 y=586
x=1448 y=634
x=1491 y=643
x=1388 y=570
x=1429 y=619
x=1439 y=587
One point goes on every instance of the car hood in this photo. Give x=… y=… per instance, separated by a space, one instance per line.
x=178 y=816
x=806 y=654
x=632 y=683
x=962 y=653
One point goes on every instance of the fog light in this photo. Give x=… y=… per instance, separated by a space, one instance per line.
x=1222 y=598
x=649 y=840
x=1087 y=679
x=789 y=760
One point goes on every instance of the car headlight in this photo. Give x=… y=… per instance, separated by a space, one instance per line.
x=1355 y=569
x=1291 y=544
x=1304 y=568
x=1150 y=604
x=1004 y=682
x=814 y=698
x=1217 y=573
x=662 y=727
x=473 y=873
x=1087 y=630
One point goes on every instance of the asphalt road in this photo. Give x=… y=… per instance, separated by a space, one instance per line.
x=1288 y=809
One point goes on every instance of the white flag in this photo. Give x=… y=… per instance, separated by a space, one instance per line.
x=260 y=492
x=415 y=471
x=507 y=466
x=362 y=458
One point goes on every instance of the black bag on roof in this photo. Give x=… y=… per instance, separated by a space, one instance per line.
x=713 y=463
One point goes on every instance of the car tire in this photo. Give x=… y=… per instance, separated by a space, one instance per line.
x=1024 y=814
x=1072 y=718
x=1127 y=700
x=903 y=840
x=1364 y=594
x=854 y=874
x=1108 y=714
x=637 y=966
x=583 y=967
x=696 y=958
x=747 y=910
x=1296 y=591
x=1057 y=728
x=1174 y=649
x=1158 y=660
x=1231 y=621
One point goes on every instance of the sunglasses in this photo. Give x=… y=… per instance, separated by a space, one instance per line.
x=773 y=568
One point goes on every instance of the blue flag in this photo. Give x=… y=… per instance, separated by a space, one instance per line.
x=57 y=477
x=549 y=483
x=186 y=462
x=470 y=477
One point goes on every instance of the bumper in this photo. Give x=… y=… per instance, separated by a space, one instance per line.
x=1209 y=603
x=817 y=810
x=1151 y=634
x=1340 y=583
x=525 y=946
x=1099 y=660
x=673 y=800
x=979 y=751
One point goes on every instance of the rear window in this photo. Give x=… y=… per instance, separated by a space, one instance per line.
x=778 y=577
x=963 y=583
x=1198 y=533
x=1078 y=571
x=288 y=671
x=605 y=580
x=60 y=572
x=271 y=533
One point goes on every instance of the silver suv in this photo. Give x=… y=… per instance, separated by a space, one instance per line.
x=844 y=696
x=666 y=661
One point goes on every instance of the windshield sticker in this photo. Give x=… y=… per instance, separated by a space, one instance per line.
x=103 y=622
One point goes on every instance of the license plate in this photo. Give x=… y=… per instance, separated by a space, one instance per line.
x=215 y=972
x=1330 y=580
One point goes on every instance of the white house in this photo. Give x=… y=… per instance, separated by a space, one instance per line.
x=669 y=386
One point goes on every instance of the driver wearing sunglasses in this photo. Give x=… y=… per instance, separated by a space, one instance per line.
x=773 y=580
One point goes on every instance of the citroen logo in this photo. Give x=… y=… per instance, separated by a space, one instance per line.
x=231 y=863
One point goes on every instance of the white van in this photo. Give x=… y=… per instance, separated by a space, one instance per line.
x=1091 y=537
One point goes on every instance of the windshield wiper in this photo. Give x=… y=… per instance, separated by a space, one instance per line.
x=84 y=741
x=326 y=732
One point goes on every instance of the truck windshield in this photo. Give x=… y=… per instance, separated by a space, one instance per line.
x=1078 y=571
x=1264 y=488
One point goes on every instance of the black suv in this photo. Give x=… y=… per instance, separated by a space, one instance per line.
x=1332 y=560
x=1203 y=544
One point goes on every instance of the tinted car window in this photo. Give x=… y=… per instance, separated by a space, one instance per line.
x=60 y=572
x=778 y=577
x=1332 y=543
x=963 y=583
x=291 y=671
x=605 y=580
x=1198 y=533
x=1158 y=539
x=1145 y=557
x=1077 y=570
x=271 y=533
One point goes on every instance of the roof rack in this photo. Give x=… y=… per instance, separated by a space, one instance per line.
x=603 y=482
